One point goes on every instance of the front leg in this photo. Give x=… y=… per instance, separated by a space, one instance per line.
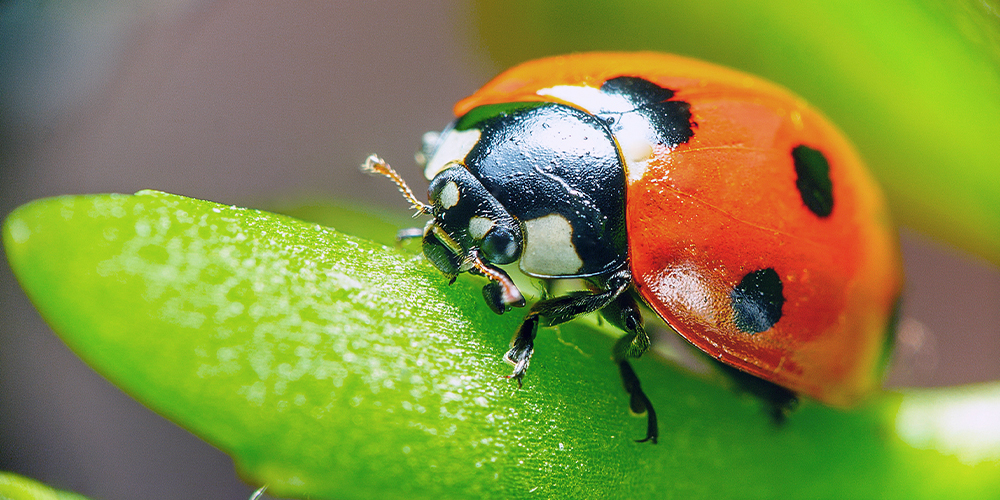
x=616 y=306
x=522 y=347
x=559 y=310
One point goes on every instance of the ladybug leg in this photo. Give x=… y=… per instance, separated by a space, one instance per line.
x=624 y=313
x=522 y=347
x=409 y=233
x=638 y=402
x=778 y=401
x=500 y=293
x=560 y=310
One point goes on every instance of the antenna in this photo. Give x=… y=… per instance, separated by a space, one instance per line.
x=375 y=165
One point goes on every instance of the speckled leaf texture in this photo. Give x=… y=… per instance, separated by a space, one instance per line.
x=331 y=367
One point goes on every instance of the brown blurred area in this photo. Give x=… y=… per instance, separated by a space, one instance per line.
x=245 y=103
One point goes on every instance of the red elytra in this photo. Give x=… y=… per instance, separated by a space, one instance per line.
x=703 y=215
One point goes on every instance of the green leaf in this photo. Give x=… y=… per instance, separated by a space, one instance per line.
x=354 y=218
x=915 y=84
x=333 y=367
x=15 y=487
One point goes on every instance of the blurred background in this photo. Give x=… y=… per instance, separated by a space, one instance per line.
x=258 y=103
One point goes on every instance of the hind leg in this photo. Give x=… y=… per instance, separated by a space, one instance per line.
x=624 y=313
x=779 y=402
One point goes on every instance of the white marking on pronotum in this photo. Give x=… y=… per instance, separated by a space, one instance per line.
x=548 y=247
x=449 y=195
x=589 y=99
x=636 y=149
x=479 y=226
x=453 y=147
x=428 y=145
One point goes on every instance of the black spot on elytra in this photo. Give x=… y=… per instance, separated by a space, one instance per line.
x=813 y=180
x=638 y=90
x=669 y=121
x=757 y=301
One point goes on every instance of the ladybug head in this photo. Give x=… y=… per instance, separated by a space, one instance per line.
x=472 y=219
x=470 y=230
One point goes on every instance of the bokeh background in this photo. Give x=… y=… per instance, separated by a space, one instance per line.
x=263 y=103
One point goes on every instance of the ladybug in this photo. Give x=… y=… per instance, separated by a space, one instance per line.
x=732 y=209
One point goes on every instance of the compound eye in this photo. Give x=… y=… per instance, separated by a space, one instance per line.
x=500 y=246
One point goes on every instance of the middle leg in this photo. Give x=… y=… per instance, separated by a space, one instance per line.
x=625 y=313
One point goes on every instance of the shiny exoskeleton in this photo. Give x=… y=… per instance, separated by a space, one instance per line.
x=543 y=183
x=730 y=207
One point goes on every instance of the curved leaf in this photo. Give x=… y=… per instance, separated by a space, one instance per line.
x=15 y=487
x=333 y=367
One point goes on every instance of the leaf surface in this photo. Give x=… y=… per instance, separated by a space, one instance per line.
x=333 y=367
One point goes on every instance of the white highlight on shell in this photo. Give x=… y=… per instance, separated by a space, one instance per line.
x=428 y=143
x=688 y=289
x=454 y=146
x=548 y=247
x=589 y=99
x=479 y=226
x=449 y=195
x=636 y=150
